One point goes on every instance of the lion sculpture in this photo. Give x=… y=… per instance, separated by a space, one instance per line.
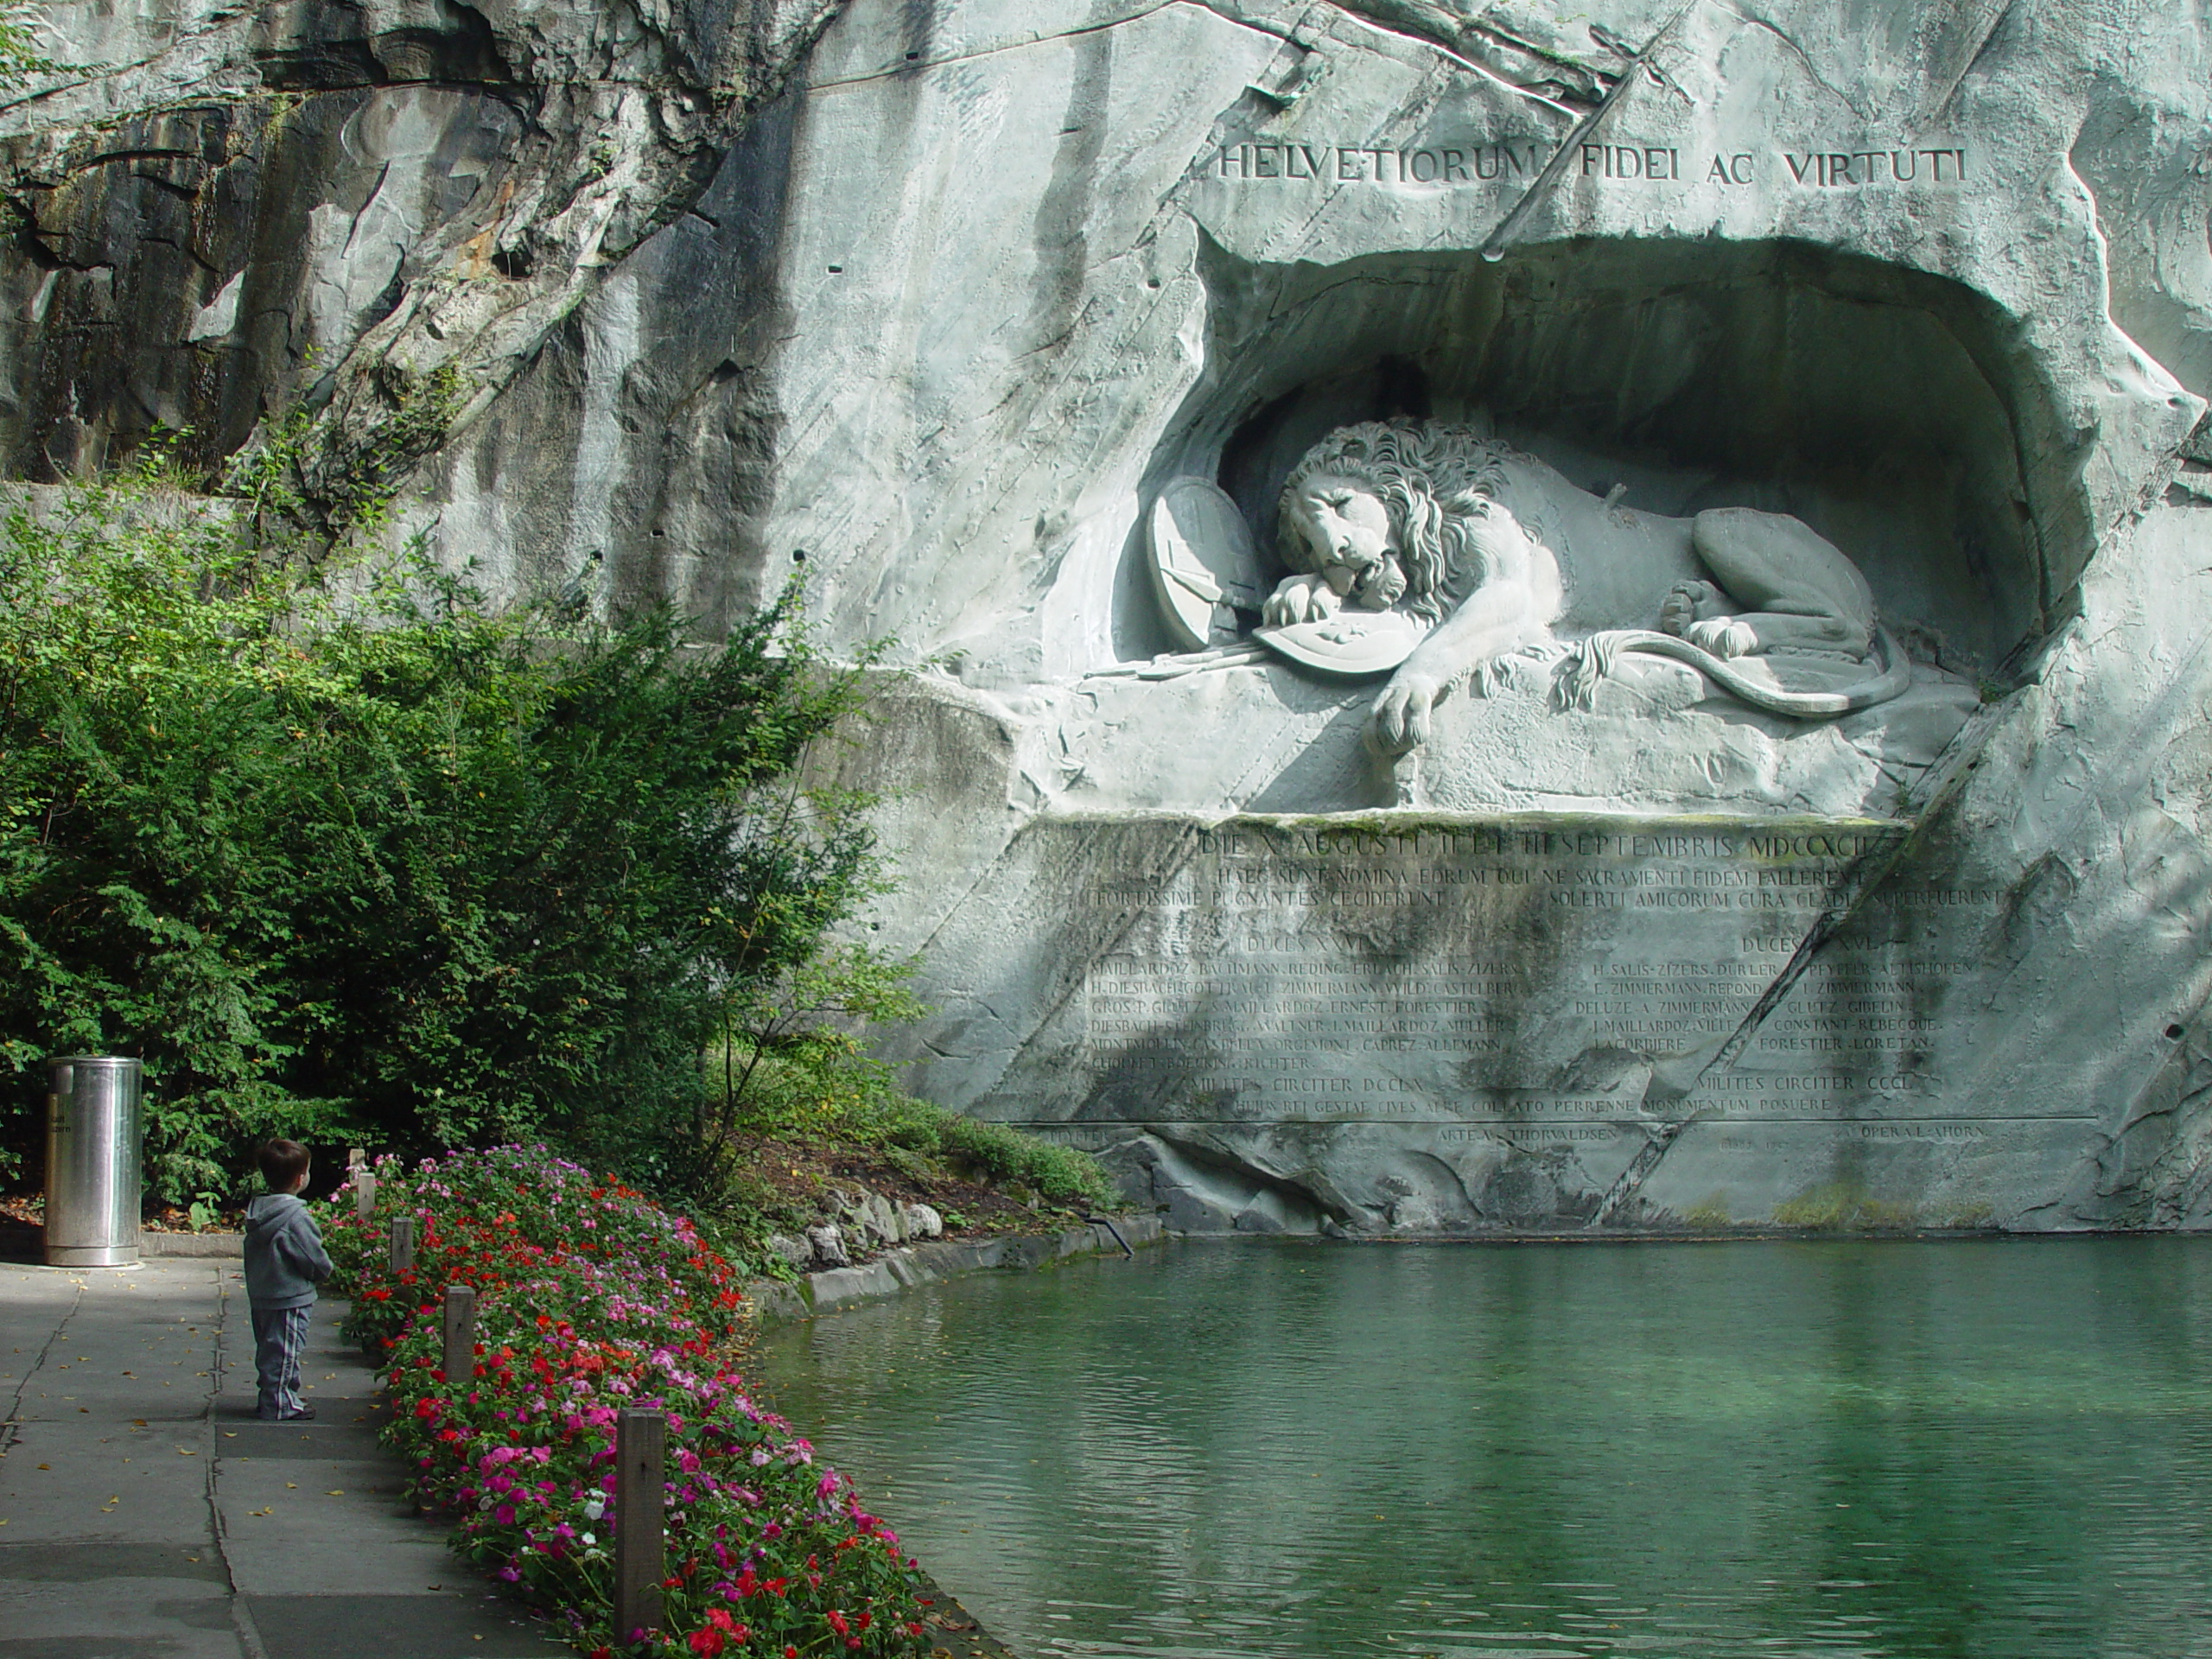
x=1481 y=553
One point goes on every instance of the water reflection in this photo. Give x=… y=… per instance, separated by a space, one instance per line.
x=1837 y=1449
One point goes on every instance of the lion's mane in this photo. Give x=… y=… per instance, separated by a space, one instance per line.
x=1441 y=484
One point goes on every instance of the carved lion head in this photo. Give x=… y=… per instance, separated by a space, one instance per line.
x=1440 y=484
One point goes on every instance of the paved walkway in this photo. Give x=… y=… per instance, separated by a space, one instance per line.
x=145 y=1514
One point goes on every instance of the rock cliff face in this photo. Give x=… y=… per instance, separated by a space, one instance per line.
x=226 y=211
x=929 y=300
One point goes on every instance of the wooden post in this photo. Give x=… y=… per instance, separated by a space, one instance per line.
x=364 y=1192
x=403 y=1242
x=460 y=1337
x=640 y=1485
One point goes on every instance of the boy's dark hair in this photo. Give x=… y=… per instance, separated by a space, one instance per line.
x=281 y=1163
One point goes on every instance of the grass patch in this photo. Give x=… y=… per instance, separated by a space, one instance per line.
x=818 y=1116
x=1843 y=1207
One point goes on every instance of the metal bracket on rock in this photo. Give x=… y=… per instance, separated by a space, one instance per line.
x=1499 y=240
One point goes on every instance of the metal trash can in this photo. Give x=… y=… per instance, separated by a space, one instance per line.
x=92 y=1137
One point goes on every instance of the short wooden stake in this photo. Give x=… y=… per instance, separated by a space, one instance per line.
x=365 y=1193
x=640 y=1486
x=403 y=1244
x=460 y=1337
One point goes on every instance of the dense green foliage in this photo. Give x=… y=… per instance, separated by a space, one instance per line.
x=1060 y=1175
x=361 y=856
x=790 y=1074
x=818 y=1089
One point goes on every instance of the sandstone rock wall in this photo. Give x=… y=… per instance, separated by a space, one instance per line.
x=926 y=300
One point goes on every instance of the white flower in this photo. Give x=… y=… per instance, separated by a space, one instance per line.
x=588 y=1538
x=593 y=1508
x=484 y=1503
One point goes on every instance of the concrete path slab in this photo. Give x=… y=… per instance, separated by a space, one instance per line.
x=145 y=1514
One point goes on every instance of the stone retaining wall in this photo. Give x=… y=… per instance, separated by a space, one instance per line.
x=915 y=1265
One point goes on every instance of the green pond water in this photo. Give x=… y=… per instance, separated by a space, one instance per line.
x=1891 y=1448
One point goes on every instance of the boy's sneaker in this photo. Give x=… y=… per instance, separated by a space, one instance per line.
x=303 y=1415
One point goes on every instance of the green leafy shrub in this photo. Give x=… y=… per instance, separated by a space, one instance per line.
x=823 y=1088
x=1058 y=1175
x=344 y=852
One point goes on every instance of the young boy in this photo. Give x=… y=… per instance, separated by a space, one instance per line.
x=284 y=1261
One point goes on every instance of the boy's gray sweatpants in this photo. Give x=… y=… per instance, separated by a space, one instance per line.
x=279 y=1335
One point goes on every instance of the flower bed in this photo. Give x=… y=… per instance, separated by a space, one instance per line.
x=591 y=1299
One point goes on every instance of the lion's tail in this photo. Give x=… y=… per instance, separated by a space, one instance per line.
x=1593 y=661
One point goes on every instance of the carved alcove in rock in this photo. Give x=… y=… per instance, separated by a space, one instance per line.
x=1887 y=408
x=1893 y=411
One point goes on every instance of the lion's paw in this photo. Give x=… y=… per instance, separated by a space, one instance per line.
x=1299 y=599
x=1691 y=602
x=1724 y=636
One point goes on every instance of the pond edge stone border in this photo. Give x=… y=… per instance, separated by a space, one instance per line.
x=912 y=1266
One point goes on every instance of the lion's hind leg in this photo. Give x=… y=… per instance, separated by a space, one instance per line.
x=1796 y=590
x=1725 y=636
x=1782 y=630
x=1690 y=602
x=1700 y=613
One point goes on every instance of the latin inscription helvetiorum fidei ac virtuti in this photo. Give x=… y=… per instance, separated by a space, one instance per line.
x=1519 y=160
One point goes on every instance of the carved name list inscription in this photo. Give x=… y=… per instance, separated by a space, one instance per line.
x=1502 y=975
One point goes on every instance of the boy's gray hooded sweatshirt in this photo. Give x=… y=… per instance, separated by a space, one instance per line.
x=285 y=1259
